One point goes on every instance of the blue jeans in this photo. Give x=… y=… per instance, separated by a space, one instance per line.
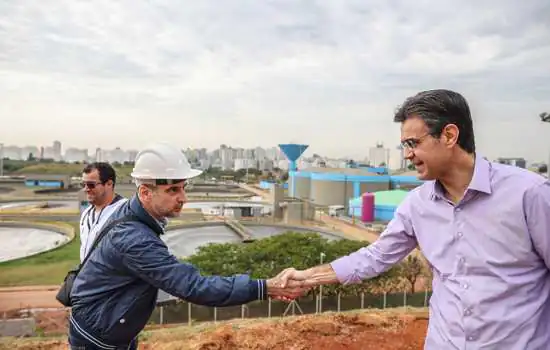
x=79 y=341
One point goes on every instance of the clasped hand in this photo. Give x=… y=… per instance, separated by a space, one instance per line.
x=289 y=284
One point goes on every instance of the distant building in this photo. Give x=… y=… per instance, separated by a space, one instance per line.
x=519 y=162
x=379 y=155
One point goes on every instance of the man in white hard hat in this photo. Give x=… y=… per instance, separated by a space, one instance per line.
x=115 y=292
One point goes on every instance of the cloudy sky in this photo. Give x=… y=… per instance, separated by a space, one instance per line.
x=247 y=72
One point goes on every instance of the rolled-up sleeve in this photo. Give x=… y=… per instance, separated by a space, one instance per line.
x=394 y=244
x=536 y=204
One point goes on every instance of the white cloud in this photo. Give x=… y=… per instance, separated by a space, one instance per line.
x=247 y=72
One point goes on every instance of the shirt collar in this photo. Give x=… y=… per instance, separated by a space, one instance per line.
x=481 y=180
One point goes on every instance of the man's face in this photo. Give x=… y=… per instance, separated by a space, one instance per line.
x=96 y=191
x=430 y=155
x=168 y=200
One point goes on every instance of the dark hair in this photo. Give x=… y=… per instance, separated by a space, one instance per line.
x=105 y=170
x=438 y=108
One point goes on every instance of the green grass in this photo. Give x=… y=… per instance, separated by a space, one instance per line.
x=46 y=268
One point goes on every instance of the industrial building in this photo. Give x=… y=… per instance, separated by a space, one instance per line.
x=329 y=187
x=383 y=205
x=405 y=181
x=334 y=186
x=47 y=180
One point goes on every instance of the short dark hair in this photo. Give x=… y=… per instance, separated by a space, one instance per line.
x=438 y=108
x=105 y=170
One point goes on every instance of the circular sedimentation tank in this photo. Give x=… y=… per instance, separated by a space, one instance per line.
x=184 y=241
x=20 y=239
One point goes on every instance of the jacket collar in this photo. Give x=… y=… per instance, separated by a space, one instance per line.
x=137 y=208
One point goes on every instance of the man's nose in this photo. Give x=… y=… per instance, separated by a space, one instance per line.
x=408 y=153
x=183 y=197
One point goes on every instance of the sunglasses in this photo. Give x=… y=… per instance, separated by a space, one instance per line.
x=91 y=185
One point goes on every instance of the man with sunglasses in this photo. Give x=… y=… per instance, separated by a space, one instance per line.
x=115 y=292
x=98 y=182
x=484 y=228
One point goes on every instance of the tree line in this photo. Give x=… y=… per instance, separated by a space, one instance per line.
x=269 y=256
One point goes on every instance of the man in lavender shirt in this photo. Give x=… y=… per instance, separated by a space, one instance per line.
x=483 y=227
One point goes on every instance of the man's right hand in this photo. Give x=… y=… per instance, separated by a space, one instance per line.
x=312 y=277
x=290 y=291
x=291 y=276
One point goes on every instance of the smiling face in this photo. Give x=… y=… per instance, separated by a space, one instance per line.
x=164 y=201
x=97 y=192
x=431 y=155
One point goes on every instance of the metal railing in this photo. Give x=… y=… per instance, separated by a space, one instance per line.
x=184 y=312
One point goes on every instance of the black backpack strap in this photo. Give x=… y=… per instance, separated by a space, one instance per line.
x=106 y=230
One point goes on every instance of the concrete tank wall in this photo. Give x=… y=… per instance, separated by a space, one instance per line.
x=302 y=185
x=374 y=186
x=330 y=189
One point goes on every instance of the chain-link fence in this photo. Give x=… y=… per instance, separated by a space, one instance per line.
x=184 y=312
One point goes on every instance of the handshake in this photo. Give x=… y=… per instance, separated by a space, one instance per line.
x=291 y=283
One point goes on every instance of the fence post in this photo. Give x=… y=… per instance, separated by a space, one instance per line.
x=384 y=303
x=405 y=299
x=161 y=315
x=338 y=300
x=215 y=314
x=242 y=311
x=189 y=314
x=269 y=307
x=425 y=297
x=362 y=300
x=317 y=303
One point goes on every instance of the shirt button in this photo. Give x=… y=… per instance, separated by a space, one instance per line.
x=467 y=312
x=465 y=286
x=459 y=234
x=122 y=320
x=470 y=338
x=462 y=260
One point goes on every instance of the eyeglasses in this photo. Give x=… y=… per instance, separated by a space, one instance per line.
x=413 y=142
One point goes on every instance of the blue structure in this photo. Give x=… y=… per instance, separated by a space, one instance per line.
x=398 y=181
x=381 y=170
x=292 y=151
x=266 y=185
x=385 y=204
x=44 y=183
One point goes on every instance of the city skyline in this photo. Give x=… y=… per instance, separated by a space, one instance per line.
x=326 y=74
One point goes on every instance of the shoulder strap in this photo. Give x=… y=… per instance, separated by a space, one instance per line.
x=106 y=230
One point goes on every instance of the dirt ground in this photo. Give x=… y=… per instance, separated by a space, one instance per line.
x=353 y=331
x=15 y=298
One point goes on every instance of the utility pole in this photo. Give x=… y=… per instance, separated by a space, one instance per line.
x=1 y=159
x=321 y=256
x=545 y=118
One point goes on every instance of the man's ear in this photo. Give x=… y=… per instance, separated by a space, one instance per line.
x=144 y=193
x=449 y=135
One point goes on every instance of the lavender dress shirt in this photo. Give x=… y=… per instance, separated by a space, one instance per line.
x=490 y=256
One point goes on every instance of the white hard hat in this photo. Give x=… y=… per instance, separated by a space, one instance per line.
x=162 y=161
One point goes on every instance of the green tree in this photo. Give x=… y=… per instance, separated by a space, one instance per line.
x=411 y=269
x=269 y=256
